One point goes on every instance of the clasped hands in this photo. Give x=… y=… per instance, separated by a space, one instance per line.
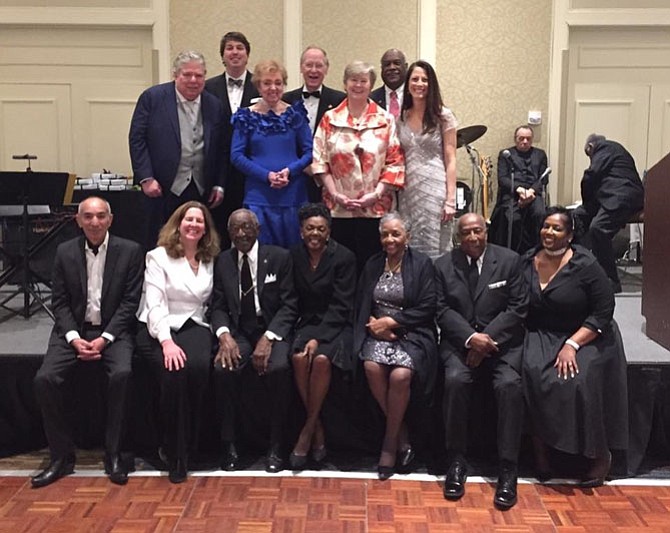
x=279 y=180
x=89 y=350
x=481 y=347
x=382 y=328
x=365 y=200
x=526 y=196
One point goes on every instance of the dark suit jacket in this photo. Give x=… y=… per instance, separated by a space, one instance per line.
x=155 y=140
x=612 y=180
x=217 y=87
x=330 y=98
x=276 y=294
x=527 y=172
x=379 y=96
x=121 y=287
x=499 y=307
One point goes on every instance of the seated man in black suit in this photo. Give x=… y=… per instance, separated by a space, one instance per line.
x=97 y=283
x=528 y=164
x=482 y=302
x=316 y=96
x=394 y=72
x=612 y=193
x=254 y=308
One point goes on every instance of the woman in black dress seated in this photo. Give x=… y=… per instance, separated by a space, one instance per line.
x=325 y=280
x=574 y=368
x=394 y=332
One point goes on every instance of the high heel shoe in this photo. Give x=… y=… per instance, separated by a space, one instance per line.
x=297 y=462
x=319 y=454
x=406 y=456
x=384 y=472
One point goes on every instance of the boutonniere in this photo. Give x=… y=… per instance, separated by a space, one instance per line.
x=270 y=278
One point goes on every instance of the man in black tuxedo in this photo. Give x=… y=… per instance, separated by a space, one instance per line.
x=394 y=72
x=528 y=164
x=612 y=193
x=97 y=283
x=254 y=308
x=316 y=96
x=234 y=89
x=482 y=303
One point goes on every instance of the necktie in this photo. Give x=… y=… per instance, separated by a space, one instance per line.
x=394 y=106
x=473 y=276
x=94 y=247
x=247 y=305
x=315 y=94
x=232 y=82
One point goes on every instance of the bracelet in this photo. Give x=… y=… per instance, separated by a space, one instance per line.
x=573 y=344
x=450 y=204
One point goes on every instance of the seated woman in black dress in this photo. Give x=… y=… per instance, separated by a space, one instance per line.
x=394 y=332
x=325 y=280
x=574 y=368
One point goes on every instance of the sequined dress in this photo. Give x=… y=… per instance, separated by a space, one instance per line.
x=388 y=298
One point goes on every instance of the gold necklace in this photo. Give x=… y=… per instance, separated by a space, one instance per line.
x=388 y=271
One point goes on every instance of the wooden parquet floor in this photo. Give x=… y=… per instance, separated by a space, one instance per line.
x=248 y=504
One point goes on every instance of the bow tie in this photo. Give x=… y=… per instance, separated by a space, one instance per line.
x=315 y=94
x=232 y=82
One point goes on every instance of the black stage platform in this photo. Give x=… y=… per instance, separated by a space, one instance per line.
x=354 y=426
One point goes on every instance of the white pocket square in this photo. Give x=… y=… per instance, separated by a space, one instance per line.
x=270 y=278
x=498 y=284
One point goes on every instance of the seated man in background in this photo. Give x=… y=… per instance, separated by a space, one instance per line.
x=254 y=308
x=97 y=283
x=527 y=204
x=612 y=193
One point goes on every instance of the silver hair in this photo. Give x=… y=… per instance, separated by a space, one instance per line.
x=394 y=215
x=356 y=68
x=109 y=207
x=313 y=47
x=243 y=210
x=186 y=56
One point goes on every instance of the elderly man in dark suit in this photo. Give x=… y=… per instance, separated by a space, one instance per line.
x=612 y=193
x=176 y=143
x=234 y=89
x=97 y=283
x=482 y=303
x=394 y=72
x=254 y=308
x=316 y=96
x=526 y=201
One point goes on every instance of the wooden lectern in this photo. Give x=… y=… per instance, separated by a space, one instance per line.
x=655 y=278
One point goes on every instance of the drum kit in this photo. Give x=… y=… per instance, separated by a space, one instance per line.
x=481 y=169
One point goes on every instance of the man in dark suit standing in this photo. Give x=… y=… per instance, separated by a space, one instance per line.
x=254 y=308
x=234 y=89
x=482 y=303
x=97 y=283
x=316 y=96
x=176 y=143
x=394 y=72
x=527 y=201
x=612 y=193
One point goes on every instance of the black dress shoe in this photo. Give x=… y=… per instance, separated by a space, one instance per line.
x=177 y=470
x=273 y=461
x=115 y=469
x=505 y=496
x=230 y=458
x=385 y=472
x=57 y=469
x=297 y=462
x=454 y=483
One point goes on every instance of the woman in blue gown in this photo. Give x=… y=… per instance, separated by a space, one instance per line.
x=272 y=146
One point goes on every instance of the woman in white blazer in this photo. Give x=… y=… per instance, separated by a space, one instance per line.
x=173 y=333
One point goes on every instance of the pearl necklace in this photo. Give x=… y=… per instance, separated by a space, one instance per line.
x=556 y=253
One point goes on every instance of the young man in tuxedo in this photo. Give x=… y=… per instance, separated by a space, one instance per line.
x=97 y=283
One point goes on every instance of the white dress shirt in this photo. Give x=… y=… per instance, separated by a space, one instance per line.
x=234 y=92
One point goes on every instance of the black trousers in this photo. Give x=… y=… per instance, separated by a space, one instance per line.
x=597 y=231
x=506 y=382
x=360 y=235
x=55 y=374
x=181 y=391
x=234 y=398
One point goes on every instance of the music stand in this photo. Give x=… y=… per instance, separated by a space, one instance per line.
x=24 y=189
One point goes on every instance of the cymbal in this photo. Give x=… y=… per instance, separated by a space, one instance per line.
x=468 y=135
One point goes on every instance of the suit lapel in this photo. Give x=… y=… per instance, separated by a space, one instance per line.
x=81 y=263
x=110 y=265
x=461 y=266
x=488 y=268
x=170 y=103
x=262 y=270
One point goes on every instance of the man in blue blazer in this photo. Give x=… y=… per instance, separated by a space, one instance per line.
x=482 y=301
x=97 y=283
x=176 y=143
x=254 y=308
